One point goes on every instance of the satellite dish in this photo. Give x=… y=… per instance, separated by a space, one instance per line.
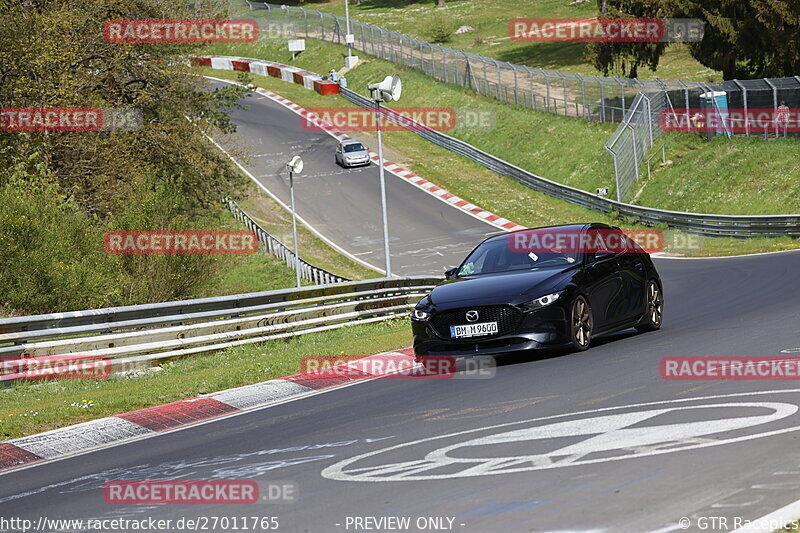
x=390 y=88
x=296 y=164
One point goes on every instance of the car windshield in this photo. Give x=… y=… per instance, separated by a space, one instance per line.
x=498 y=255
x=354 y=147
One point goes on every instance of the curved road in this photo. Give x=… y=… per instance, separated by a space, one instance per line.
x=710 y=448
x=426 y=235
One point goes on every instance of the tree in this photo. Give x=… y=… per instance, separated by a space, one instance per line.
x=742 y=38
x=781 y=20
x=620 y=57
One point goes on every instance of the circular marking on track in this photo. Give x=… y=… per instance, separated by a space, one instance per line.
x=586 y=437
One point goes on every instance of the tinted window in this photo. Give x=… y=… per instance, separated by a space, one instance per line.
x=496 y=255
x=354 y=147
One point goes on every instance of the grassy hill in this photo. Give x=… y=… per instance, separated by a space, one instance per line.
x=421 y=20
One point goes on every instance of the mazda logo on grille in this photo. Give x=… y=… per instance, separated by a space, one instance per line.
x=472 y=316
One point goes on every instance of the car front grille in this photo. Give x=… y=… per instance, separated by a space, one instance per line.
x=507 y=319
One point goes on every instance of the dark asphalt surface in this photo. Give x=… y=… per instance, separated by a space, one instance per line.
x=694 y=454
x=425 y=234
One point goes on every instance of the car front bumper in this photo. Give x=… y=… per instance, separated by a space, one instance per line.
x=357 y=162
x=541 y=329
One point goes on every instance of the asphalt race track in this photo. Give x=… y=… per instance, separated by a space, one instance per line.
x=477 y=451
x=344 y=204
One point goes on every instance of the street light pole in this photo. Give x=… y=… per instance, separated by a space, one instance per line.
x=347 y=27
x=294 y=229
x=388 y=90
x=295 y=165
x=383 y=194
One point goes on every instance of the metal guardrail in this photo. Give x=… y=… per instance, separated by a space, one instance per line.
x=704 y=224
x=136 y=335
x=308 y=271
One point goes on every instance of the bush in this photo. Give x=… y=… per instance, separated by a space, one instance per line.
x=51 y=253
x=163 y=277
x=439 y=30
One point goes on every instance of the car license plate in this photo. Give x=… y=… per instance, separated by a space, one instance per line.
x=473 y=330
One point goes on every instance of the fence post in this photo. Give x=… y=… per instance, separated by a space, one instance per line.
x=649 y=118
x=485 y=77
x=467 y=71
x=686 y=99
x=499 y=80
x=635 y=151
x=583 y=94
x=602 y=100
x=744 y=99
x=515 y=83
x=533 y=98
x=564 y=81
x=616 y=171
x=774 y=104
x=622 y=93
x=547 y=82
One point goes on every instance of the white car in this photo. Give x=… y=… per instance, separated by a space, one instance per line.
x=351 y=154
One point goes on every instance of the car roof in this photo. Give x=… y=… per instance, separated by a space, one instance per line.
x=351 y=141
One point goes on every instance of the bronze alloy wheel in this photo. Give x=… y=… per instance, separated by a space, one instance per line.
x=581 y=324
x=654 y=307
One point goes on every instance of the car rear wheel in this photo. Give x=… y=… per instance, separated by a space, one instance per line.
x=581 y=324
x=654 y=307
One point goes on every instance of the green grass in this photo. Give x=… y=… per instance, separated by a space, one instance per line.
x=490 y=38
x=278 y=222
x=467 y=179
x=743 y=176
x=35 y=406
x=252 y=273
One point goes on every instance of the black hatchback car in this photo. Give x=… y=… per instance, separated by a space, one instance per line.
x=558 y=286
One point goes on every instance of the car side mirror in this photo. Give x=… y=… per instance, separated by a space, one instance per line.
x=450 y=272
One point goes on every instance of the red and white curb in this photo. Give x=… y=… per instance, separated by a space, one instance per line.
x=135 y=425
x=227 y=63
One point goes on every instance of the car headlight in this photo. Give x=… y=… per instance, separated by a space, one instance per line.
x=543 y=301
x=420 y=315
